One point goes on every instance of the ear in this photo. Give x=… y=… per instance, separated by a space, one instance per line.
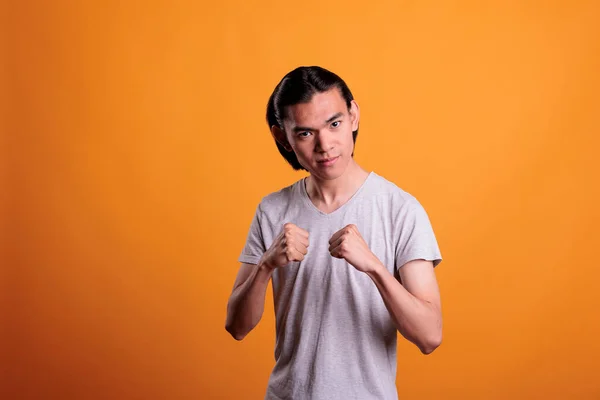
x=354 y=115
x=279 y=136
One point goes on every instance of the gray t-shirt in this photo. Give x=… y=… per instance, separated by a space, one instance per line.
x=335 y=338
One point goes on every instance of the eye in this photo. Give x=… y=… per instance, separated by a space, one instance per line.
x=336 y=124
x=304 y=134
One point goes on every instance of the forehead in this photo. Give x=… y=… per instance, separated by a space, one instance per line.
x=320 y=108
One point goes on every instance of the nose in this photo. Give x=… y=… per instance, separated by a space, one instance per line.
x=324 y=141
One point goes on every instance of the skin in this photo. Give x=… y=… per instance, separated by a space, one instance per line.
x=315 y=131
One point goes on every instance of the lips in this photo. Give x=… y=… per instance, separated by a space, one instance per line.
x=325 y=160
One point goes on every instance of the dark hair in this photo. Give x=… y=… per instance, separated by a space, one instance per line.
x=299 y=86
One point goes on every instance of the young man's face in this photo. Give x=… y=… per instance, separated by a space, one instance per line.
x=320 y=133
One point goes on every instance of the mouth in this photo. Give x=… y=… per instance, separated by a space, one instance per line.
x=327 y=161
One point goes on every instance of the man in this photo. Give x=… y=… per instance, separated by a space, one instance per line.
x=351 y=256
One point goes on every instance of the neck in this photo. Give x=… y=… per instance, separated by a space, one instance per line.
x=336 y=191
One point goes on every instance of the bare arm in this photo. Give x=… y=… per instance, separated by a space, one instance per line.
x=415 y=304
x=247 y=301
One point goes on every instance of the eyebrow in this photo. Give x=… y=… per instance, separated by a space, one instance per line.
x=329 y=120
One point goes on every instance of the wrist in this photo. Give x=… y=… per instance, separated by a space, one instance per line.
x=375 y=269
x=265 y=266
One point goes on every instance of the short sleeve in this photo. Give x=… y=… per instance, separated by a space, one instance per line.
x=416 y=239
x=254 y=247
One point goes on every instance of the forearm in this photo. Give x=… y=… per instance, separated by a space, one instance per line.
x=247 y=301
x=417 y=320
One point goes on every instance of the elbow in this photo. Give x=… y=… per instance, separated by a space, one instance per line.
x=430 y=344
x=238 y=336
x=235 y=333
x=238 y=329
x=233 y=327
x=239 y=325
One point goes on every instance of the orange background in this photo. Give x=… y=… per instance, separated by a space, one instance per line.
x=136 y=151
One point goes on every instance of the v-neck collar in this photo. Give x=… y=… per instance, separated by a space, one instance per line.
x=311 y=205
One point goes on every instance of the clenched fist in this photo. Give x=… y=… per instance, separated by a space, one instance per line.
x=348 y=244
x=290 y=245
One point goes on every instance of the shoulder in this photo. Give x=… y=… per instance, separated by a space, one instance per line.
x=385 y=190
x=277 y=201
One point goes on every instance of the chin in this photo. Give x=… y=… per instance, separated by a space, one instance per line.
x=330 y=173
